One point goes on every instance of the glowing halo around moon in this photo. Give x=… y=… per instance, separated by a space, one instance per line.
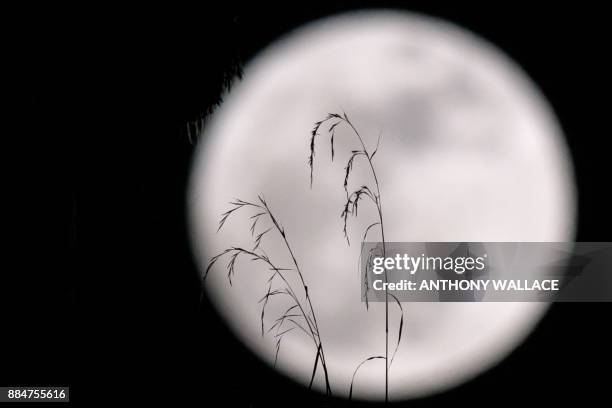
x=470 y=152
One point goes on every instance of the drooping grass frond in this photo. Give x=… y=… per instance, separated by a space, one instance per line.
x=351 y=207
x=237 y=204
x=357 y=369
x=313 y=135
x=349 y=167
x=259 y=237
x=213 y=260
x=365 y=234
x=332 y=131
x=255 y=218
x=231 y=264
x=401 y=326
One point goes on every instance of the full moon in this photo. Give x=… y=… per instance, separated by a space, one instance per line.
x=468 y=150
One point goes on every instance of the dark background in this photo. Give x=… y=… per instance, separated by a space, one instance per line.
x=104 y=294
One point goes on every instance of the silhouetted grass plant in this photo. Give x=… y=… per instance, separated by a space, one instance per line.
x=351 y=205
x=301 y=314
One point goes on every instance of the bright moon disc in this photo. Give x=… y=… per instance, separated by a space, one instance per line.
x=470 y=151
